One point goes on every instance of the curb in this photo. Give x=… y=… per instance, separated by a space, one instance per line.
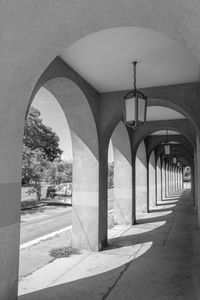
x=44 y=237
x=49 y=235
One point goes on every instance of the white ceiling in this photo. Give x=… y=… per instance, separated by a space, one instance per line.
x=104 y=59
x=156 y=113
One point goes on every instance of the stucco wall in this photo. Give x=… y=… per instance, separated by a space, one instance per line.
x=163 y=179
x=158 y=181
x=152 y=180
x=85 y=199
x=141 y=179
x=123 y=198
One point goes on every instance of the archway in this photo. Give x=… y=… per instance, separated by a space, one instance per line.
x=45 y=216
x=85 y=209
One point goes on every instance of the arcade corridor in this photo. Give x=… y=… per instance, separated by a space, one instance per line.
x=85 y=53
x=156 y=259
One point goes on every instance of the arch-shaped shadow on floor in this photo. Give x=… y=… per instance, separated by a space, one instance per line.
x=165 y=266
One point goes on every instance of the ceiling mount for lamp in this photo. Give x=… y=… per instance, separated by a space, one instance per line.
x=135 y=104
x=167 y=145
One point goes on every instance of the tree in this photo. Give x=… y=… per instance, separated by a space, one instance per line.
x=34 y=164
x=59 y=171
x=39 y=136
x=187 y=174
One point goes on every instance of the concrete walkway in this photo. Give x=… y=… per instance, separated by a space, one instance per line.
x=157 y=259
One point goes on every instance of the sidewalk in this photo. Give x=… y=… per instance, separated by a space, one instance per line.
x=157 y=259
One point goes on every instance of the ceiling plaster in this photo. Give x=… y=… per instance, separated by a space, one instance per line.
x=104 y=59
x=164 y=132
x=156 y=113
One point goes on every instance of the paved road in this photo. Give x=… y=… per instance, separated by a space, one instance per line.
x=39 y=222
x=44 y=221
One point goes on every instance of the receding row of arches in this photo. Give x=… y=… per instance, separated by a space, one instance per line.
x=142 y=176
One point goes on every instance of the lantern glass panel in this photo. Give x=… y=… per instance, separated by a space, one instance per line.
x=130 y=104
x=167 y=149
x=141 y=109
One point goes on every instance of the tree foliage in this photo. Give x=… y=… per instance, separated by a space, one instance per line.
x=41 y=159
x=38 y=136
x=59 y=171
x=34 y=164
x=187 y=174
x=110 y=175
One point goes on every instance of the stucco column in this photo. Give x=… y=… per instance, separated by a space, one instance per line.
x=193 y=182
x=176 y=179
x=158 y=180
x=123 y=198
x=167 y=180
x=85 y=197
x=163 y=180
x=198 y=180
x=173 y=179
x=182 y=184
x=89 y=197
x=152 y=181
x=179 y=186
x=170 y=179
x=175 y=182
x=141 y=179
x=12 y=116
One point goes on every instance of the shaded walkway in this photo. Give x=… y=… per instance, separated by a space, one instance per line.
x=155 y=259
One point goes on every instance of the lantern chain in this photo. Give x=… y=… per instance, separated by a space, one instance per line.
x=134 y=75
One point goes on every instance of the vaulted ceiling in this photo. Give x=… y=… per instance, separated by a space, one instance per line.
x=104 y=59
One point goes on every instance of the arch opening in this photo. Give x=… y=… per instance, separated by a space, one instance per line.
x=84 y=157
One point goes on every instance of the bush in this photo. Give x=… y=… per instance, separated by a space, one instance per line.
x=28 y=203
x=63 y=252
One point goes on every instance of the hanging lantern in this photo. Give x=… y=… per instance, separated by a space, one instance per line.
x=135 y=105
x=178 y=163
x=174 y=160
x=167 y=148
x=167 y=145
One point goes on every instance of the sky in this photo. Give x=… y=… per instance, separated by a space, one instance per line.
x=54 y=117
